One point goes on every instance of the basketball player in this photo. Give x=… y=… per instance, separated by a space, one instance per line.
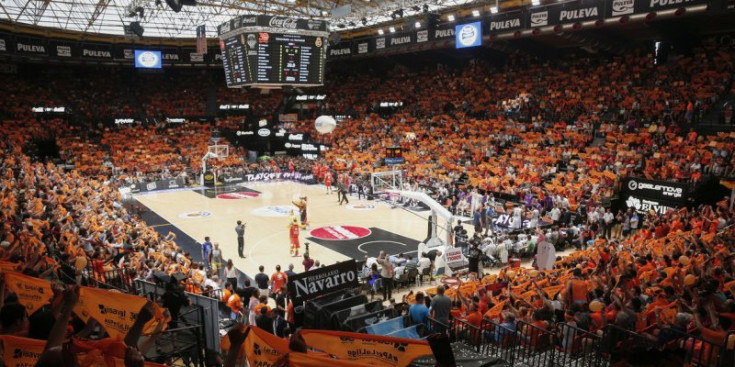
x=328 y=182
x=293 y=233
x=301 y=204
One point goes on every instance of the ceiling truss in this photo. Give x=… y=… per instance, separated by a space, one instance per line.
x=158 y=20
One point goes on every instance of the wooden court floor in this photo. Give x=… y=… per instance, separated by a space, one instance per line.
x=360 y=229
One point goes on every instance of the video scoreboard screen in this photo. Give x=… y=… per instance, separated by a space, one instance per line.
x=273 y=51
x=273 y=58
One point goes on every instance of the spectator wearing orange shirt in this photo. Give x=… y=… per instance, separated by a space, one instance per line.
x=278 y=280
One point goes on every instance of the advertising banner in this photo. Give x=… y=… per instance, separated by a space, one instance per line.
x=506 y=22
x=31 y=46
x=323 y=280
x=116 y=312
x=644 y=195
x=33 y=293
x=21 y=352
x=367 y=348
x=564 y=14
x=157 y=185
x=96 y=51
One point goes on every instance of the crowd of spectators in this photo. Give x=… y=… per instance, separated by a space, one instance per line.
x=555 y=134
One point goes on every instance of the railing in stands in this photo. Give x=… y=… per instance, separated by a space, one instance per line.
x=499 y=341
x=700 y=352
x=576 y=347
x=536 y=345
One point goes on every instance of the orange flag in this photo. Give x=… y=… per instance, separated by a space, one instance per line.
x=553 y=290
x=367 y=348
x=494 y=312
x=32 y=292
x=116 y=312
x=21 y=352
x=8 y=266
x=311 y=360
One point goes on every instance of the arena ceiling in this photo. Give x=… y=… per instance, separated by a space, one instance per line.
x=158 y=20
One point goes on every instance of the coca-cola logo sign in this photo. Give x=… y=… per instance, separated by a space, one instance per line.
x=279 y=22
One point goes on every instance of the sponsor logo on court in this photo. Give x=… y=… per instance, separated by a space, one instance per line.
x=275 y=211
x=238 y=195
x=340 y=233
x=361 y=206
x=194 y=215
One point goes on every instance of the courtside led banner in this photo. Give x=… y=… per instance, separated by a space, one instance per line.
x=468 y=35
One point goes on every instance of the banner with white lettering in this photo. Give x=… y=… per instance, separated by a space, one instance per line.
x=646 y=6
x=272 y=21
x=5 y=43
x=564 y=14
x=302 y=177
x=63 y=50
x=400 y=40
x=31 y=46
x=442 y=33
x=341 y=49
x=619 y=8
x=645 y=195
x=171 y=55
x=506 y=22
x=158 y=185
x=96 y=51
x=324 y=280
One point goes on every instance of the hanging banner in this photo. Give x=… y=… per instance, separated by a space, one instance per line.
x=202 y=39
x=33 y=293
x=96 y=51
x=647 y=6
x=323 y=280
x=564 y=14
x=30 y=46
x=116 y=312
x=367 y=348
x=506 y=22
x=5 y=43
x=171 y=55
x=400 y=40
x=21 y=352
x=341 y=50
x=446 y=32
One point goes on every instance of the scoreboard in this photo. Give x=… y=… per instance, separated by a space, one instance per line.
x=273 y=51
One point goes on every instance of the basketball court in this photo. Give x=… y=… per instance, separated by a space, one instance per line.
x=336 y=232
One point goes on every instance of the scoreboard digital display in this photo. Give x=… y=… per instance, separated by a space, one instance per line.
x=258 y=56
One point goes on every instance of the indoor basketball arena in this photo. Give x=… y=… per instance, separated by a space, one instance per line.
x=414 y=183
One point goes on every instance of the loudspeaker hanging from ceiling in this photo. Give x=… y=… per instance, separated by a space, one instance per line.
x=176 y=5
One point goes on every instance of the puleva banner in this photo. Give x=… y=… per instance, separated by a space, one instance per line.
x=367 y=348
x=32 y=292
x=116 y=312
x=21 y=352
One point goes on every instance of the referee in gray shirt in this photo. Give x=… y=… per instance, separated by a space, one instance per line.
x=240 y=229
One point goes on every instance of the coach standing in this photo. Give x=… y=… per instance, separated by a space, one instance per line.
x=240 y=229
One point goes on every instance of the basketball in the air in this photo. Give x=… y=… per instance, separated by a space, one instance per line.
x=325 y=124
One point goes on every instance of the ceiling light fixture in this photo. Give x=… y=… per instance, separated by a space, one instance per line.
x=535 y=2
x=380 y=32
x=417 y=24
x=450 y=17
x=392 y=30
x=476 y=13
x=494 y=10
